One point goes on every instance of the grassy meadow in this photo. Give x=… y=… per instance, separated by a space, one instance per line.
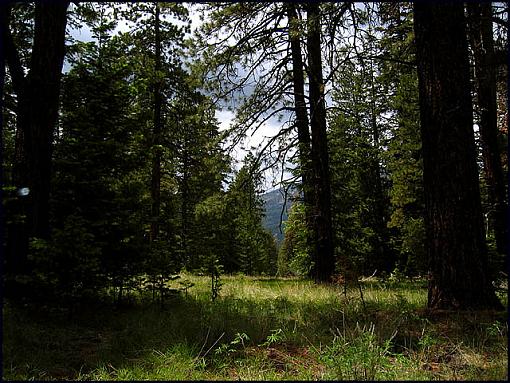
x=259 y=329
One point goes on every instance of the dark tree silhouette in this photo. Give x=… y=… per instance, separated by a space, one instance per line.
x=454 y=225
x=37 y=111
x=156 y=136
x=324 y=262
x=302 y=123
x=482 y=43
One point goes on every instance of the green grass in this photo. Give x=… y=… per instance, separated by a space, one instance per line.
x=259 y=329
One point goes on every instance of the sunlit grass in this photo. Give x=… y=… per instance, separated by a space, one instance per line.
x=260 y=328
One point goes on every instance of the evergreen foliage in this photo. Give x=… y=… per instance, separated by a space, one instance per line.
x=294 y=256
x=404 y=146
x=127 y=178
x=254 y=248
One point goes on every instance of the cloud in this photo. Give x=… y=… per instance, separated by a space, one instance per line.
x=268 y=130
x=224 y=117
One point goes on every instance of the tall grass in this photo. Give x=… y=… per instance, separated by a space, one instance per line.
x=259 y=329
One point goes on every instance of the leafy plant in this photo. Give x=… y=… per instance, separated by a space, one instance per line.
x=240 y=338
x=276 y=336
x=427 y=341
x=226 y=350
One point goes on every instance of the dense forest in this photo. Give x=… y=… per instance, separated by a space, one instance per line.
x=123 y=188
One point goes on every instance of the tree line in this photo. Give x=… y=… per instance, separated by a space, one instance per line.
x=116 y=172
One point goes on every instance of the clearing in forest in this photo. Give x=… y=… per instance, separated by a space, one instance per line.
x=259 y=328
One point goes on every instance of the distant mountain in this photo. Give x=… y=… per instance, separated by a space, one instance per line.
x=273 y=204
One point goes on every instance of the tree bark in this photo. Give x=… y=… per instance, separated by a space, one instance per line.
x=324 y=264
x=302 y=125
x=454 y=224
x=37 y=112
x=480 y=34
x=156 y=135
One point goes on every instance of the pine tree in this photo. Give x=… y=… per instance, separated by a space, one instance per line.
x=254 y=249
x=97 y=186
x=200 y=164
x=294 y=257
x=359 y=173
x=403 y=157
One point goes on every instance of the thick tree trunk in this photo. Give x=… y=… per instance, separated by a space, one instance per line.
x=480 y=34
x=42 y=106
x=324 y=262
x=156 y=135
x=38 y=100
x=302 y=125
x=454 y=224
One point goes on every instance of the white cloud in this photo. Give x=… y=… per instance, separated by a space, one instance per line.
x=194 y=15
x=266 y=131
x=254 y=141
x=224 y=117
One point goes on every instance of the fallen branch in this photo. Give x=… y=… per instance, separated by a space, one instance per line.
x=214 y=344
x=367 y=278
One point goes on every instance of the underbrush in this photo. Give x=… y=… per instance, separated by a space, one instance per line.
x=259 y=329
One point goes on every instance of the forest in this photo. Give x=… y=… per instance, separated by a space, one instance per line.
x=140 y=145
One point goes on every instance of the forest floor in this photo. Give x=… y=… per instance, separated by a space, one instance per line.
x=260 y=329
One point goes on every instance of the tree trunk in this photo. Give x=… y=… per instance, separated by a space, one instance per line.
x=324 y=262
x=3 y=22
x=156 y=135
x=383 y=261
x=480 y=34
x=454 y=225
x=188 y=259
x=302 y=125
x=37 y=112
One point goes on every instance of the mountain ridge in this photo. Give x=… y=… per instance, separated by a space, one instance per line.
x=274 y=202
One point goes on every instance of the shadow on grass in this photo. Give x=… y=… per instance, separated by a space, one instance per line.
x=49 y=345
